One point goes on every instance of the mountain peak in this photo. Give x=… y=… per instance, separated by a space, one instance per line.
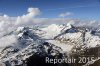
x=69 y=25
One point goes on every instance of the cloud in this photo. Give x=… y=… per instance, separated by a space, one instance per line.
x=43 y=21
x=7 y=23
x=65 y=14
x=32 y=12
x=7 y=41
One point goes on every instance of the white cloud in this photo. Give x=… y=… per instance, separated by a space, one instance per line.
x=8 y=24
x=32 y=12
x=54 y=20
x=7 y=41
x=65 y=14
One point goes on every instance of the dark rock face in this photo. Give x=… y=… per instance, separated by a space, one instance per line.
x=37 y=60
x=93 y=32
x=96 y=63
x=37 y=55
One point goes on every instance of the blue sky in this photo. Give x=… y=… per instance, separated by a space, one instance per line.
x=82 y=9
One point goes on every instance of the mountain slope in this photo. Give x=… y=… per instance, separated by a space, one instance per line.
x=54 y=41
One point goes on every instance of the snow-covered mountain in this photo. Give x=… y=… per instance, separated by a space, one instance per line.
x=27 y=45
